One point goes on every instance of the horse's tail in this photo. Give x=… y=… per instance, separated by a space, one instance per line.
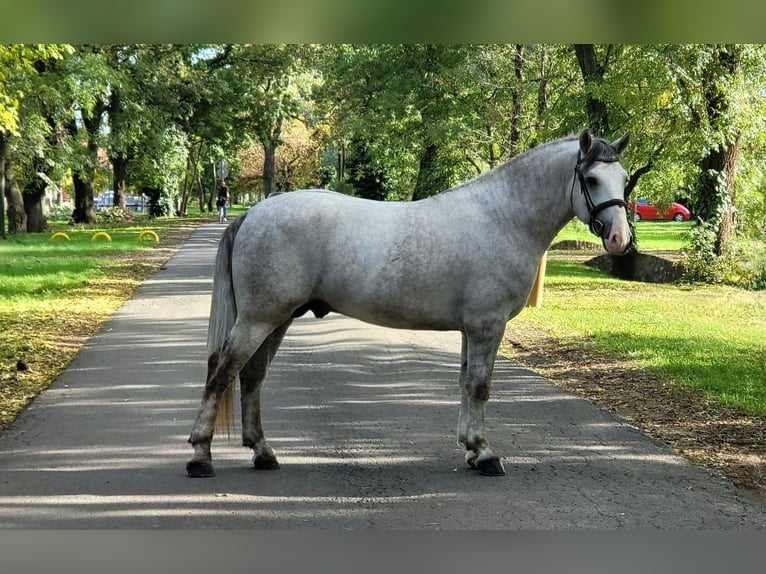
x=223 y=313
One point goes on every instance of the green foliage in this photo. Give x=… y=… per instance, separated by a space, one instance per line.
x=758 y=274
x=342 y=187
x=17 y=70
x=365 y=179
x=426 y=116
x=60 y=213
x=748 y=269
x=742 y=263
x=700 y=259
x=115 y=215
x=160 y=166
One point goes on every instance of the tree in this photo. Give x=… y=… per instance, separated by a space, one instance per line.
x=400 y=101
x=267 y=86
x=593 y=79
x=296 y=161
x=367 y=181
x=715 y=192
x=157 y=171
x=26 y=132
x=86 y=77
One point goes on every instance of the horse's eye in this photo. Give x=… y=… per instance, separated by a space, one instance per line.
x=590 y=180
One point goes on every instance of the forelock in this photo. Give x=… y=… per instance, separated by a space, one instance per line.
x=600 y=150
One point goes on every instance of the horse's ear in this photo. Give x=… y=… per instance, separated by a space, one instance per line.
x=586 y=141
x=621 y=143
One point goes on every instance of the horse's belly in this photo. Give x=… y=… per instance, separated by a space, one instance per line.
x=422 y=314
x=404 y=322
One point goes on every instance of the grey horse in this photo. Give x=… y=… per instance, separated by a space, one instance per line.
x=463 y=260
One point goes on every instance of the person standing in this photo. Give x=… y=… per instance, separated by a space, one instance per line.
x=221 y=202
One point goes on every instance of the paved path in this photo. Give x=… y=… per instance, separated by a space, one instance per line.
x=362 y=419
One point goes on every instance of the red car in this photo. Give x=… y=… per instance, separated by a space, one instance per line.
x=676 y=211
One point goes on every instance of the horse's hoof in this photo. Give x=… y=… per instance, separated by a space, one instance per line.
x=199 y=469
x=491 y=467
x=265 y=463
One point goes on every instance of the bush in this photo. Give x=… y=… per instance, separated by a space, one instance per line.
x=60 y=213
x=743 y=263
x=701 y=262
x=115 y=215
x=750 y=266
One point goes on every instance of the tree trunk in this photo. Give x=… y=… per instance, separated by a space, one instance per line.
x=185 y=190
x=118 y=159
x=270 y=143
x=3 y=154
x=269 y=169
x=593 y=76
x=715 y=191
x=84 y=177
x=213 y=188
x=17 y=217
x=542 y=98
x=33 y=196
x=196 y=179
x=201 y=191
x=119 y=177
x=341 y=162
x=715 y=188
x=84 y=211
x=431 y=180
x=516 y=96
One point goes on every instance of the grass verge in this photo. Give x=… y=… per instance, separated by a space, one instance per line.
x=709 y=338
x=54 y=294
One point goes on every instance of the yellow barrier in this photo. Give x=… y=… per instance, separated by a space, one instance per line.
x=60 y=235
x=101 y=234
x=148 y=233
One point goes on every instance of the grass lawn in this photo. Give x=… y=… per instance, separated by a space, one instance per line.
x=36 y=265
x=651 y=235
x=55 y=293
x=710 y=338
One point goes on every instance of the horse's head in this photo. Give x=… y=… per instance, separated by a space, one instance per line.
x=601 y=201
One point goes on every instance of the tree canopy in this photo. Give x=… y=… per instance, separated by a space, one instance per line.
x=387 y=121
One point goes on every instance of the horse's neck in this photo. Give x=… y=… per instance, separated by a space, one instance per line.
x=531 y=192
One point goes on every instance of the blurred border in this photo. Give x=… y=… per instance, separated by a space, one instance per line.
x=333 y=552
x=367 y=21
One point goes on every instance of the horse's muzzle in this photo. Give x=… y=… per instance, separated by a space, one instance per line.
x=616 y=243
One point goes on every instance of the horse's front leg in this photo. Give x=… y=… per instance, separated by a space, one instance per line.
x=482 y=345
x=462 y=419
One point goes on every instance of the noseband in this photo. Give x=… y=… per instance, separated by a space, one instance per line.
x=595 y=225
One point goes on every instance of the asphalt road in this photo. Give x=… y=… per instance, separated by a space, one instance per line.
x=363 y=422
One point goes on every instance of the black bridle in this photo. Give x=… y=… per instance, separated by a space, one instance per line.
x=595 y=225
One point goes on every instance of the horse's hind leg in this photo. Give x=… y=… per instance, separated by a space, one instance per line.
x=481 y=352
x=222 y=369
x=251 y=377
